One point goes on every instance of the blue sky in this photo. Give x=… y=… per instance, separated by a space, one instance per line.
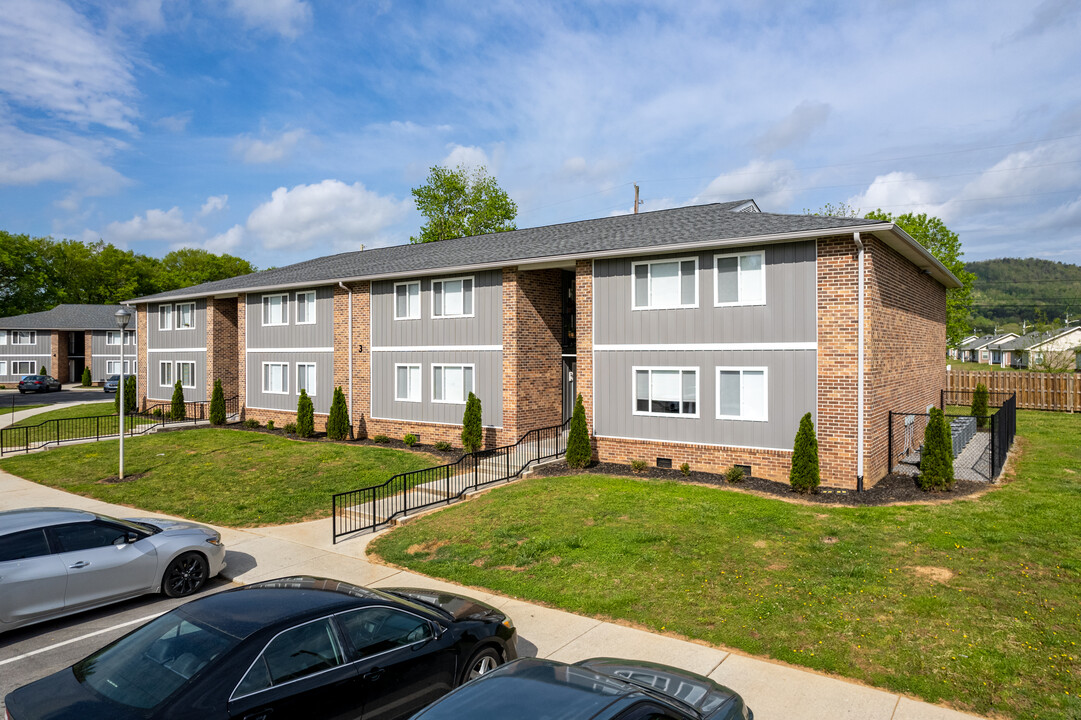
x=280 y=130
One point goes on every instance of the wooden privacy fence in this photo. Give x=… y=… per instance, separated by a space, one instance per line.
x=1035 y=391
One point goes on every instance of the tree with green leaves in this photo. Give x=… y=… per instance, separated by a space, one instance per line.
x=472 y=432
x=87 y=379
x=944 y=244
x=130 y=401
x=804 y=475
x=579 y=452
x=217 y=404
x=460 y=203
x=305 y=415
x=338 y=423
x=936 y=459
x=979 y=406
x=179 y=410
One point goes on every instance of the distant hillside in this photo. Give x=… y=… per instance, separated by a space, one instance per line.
x=1009 y=290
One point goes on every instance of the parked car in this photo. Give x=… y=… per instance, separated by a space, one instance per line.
x=112 y=383
x=38 y=383
x=599 y=689
x=55 y=561
x=298 y=647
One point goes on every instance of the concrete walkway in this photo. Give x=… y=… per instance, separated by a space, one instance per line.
x=773 y=690
x=19 y=415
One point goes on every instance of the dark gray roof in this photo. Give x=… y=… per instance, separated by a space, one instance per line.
x=659 y=229
x=65 y=317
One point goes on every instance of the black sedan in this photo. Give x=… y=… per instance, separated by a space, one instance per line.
x=298 y=647
x=38 y=383
x=598 y=689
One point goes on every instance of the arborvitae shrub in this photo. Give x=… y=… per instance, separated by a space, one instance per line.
x=472 y=433
x=130 y=401
x=305 y=415
x=936 y=461
x=579 y=452
x=43 y=371
x=979 y=406
x=87 y=380
x=338 y=422
x=178 y=411
x=217 y=404
x=805 y=475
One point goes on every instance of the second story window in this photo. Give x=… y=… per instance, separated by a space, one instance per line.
x=185 y=316
x=24 y=337
x=452 y=298
x=407 y=301
x=306 y=308
x=275 y=309
x=740 y=279
x=660 y=284
x=165 y=317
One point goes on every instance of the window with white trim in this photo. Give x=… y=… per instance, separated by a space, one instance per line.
x=407 y=301
x=275 y=309
x=665 y=284
x=666 y=391
x=742 y=393
x=3 y=337
x=165 y=317
x=165 y=373
x=740 y=279
x=276 y=378
x=451 y=383
x=129 y=337
x=24 y=337
x=407 y=383
x=22 y=367
x=185 y=316
x=306 y=308
x=112 y=367
x=185 y=373
x=452 y=298
x=306 y=378
x=3 y=367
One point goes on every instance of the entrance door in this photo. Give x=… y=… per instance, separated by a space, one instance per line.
x=570 y=393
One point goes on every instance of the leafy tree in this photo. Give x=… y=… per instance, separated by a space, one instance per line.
x=217 y=404
x=305 y=415
x=944 y=244
x=472 y=432
x=843 y=210
x=804 y=475
x=579 y=453
x=338 y=423
x=979 y=406
x=192 y=266
x=179 y=411
x=936 y=460
x=458 y=203
x=87 y=379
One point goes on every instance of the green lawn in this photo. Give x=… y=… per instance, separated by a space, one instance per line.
x=83 y=422
x=976 y=603
x=7 y=409
x=225 y=477
x=91 y=409
x=979 y=367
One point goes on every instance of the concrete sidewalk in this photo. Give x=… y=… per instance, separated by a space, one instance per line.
x=19 y=415
x=774 y=691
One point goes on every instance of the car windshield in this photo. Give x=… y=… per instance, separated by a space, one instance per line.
x=143 y=669
x=114 y=378
x=33 y=377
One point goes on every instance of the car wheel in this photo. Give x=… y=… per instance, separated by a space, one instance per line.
x=185 y=575
x=483 y=662
x=21 y=391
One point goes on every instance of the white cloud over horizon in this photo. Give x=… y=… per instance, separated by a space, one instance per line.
x=287 y=18
x=254 y=151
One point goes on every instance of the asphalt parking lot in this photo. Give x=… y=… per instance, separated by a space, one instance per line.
x=66 y=395
x=33 y=652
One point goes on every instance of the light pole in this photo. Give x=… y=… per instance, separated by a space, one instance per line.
x=123 y=316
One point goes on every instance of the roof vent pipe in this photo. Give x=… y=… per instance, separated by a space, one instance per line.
x=859 y=370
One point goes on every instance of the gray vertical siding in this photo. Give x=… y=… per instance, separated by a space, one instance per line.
x=791 y=390
x=40 y=353
x=487 y=381
x=324 y=380
x=789 y=314
x=317 y=335
x=155 y=391
x=484 y=328
x=101 y=353
x=187 y=338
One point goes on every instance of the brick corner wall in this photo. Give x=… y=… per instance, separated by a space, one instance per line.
x=242 y=353
x=222 y=360
x=59 y=359
x=532 y=353
x=583 y=330
x=141 y=354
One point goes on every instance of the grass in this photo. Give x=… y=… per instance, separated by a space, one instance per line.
x=224 y=477
x=41 y=430
x=976 y=603
x=979 y=367
x=92 y=409
x=7 y=409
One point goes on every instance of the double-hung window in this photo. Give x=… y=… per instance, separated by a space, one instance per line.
x=451 y=383
x=452 y=298
x=185 y=373
x=185 y=316
x=662 y=284
x=22 y=367
x=24 y=337
x=3 y=367
x=275 y=309
x=407 y=301
x=742 y=394
x=740 y=279
x=306 y=378
x=306 y=308
x=276 y=378
x=165 y=317
x=3 y=337
x=165 y=373
x=112 y=337
x=112 y=367
x=407 y=383
x=666 y=391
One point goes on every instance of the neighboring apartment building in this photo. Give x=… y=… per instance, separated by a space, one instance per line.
x=699 y=334
x=64 y=340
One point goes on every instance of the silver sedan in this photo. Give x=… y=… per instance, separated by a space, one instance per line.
x=55 y=561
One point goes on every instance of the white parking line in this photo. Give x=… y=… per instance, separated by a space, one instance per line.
x=81 y=637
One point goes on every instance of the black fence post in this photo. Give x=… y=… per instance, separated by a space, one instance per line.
x=889 y=444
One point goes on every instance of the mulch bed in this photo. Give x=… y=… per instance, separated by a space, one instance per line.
x=891 y=489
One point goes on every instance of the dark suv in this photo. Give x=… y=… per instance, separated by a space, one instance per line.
x=38 y=383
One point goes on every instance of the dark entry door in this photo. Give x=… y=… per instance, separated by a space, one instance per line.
x=570 y=369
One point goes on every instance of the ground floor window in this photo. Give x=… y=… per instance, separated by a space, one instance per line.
x=3 y=367
x=742 y=394
x=276 y=378
x=165 y=374
x=23 y=367
x=185 y=373
x=407 y=383
x=306 y=378
x=666 y=391
x=451 y=383
x=112 y=367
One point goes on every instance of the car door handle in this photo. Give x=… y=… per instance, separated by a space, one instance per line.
x=373 y=674
x=80 y=564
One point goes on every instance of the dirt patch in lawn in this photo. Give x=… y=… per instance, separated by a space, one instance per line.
x=429 y=548
x=116 y=480
x=934 y=574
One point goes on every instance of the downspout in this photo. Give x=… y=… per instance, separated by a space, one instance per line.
x=859 y=381
x=350 y=403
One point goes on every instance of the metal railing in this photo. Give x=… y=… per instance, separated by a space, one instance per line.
x=369 y=508
x=24 y=438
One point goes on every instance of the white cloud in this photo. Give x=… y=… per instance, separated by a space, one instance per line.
x=468 y=156
x=898 y=193
x=175 y=123
x=796 y=128
x=330 y=212
x=286 y=17
x=155 y=225
x=769 y=182
x=254 y=151
x=213 y=204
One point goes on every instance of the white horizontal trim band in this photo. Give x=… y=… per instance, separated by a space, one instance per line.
x=161 y=350
x=438 y=348
x=714 y=346
x=290 y=350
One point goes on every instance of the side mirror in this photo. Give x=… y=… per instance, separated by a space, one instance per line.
x=437 y=630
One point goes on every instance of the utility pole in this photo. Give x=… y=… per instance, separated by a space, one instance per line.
x=637 y=202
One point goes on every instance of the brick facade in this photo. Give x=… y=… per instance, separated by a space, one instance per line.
x=770 y=464
x=583 y=331
x=59 y=359
x=532 y=353
x=242 y=355
x=88 y=350
x=141 y=318
x=431 y=433
x=222 y=361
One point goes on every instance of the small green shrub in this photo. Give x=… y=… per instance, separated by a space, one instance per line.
x=338 y=422
x=444 y=446
x=472 y=432
x=685 y=468
x=410 y=439
x=43 y=371
x=734 y=474
x=639 y=465
x=157 y=412
x=178 y=411
x=290 y=428
x=217 y=404
x=251 y=423
x=305 y=415
x=579 y=452
x=979 y=406
x=86 y=377
x=130 y=401
x=805 y=475
x=269 y=424
x=936 y=460
x=381 y=439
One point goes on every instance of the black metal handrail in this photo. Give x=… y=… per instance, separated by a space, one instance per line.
x=371 y=507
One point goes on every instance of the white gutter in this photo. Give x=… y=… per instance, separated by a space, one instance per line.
x=350 y=403
x=859 y=381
